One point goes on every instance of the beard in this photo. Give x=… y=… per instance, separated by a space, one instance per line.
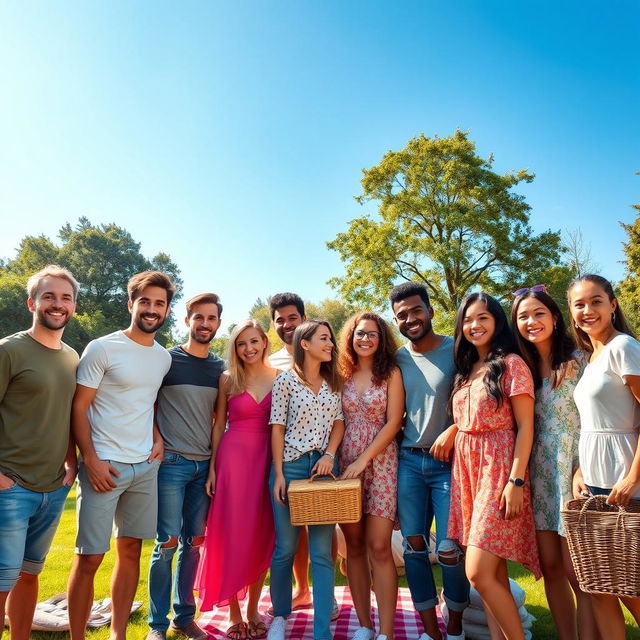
x=141 y=321
x=281 y=334
x=201 y=339
x=416 y=337
x=50 y=323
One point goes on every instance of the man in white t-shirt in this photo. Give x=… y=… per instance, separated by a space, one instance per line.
x=113 y=424
x=287 y=313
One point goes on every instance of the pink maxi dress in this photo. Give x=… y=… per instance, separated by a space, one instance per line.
x=240 y=534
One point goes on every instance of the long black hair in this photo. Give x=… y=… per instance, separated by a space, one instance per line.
x=465 y=355
x=618 y=321
x=562 y=346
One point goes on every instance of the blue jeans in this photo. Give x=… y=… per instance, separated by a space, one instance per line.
x=182 y=513
x=285 y=550
x=598 y=491
x=28 y=522
x=424 y=492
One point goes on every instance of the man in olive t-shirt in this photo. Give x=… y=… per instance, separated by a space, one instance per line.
x=37 y=459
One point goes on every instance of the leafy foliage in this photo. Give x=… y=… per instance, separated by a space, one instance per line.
x=630 y=287
x=445 y=219
x=102 y=258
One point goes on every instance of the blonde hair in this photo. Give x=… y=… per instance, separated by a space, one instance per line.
x=236 y=373
x=51 y=271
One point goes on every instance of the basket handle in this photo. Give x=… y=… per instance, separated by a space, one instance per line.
x=323 y=474
x=621 y=510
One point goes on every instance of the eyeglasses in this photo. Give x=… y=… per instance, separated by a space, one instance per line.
x=539 y=288
x=371 y=335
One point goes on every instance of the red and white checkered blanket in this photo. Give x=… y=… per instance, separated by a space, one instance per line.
x=300 y=623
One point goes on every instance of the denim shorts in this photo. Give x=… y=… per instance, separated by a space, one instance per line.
x=28 y=522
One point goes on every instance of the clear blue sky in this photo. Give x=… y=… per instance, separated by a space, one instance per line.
x=232 y=135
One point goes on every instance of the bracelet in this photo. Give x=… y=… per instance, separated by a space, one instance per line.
x=330 y=455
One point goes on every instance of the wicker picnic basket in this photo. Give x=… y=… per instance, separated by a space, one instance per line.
x=604 y=542
x=326 y=501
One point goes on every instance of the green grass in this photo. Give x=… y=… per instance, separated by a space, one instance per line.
x=54 y=580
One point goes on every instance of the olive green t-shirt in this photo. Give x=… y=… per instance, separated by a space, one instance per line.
x=36 y=388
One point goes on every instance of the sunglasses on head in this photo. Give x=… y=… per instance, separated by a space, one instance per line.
x=539 y=288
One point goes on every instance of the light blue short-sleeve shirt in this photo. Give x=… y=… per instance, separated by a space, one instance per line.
x=427 y=379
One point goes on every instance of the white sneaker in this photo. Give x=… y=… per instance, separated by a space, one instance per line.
x=381 y=636
x=425 y=636
x=452 y=637
x=276 y=630
x=363 y=633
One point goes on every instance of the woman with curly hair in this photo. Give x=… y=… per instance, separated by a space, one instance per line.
x=372 y=404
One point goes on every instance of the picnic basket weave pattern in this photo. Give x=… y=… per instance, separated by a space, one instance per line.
x=604 y=542
x=326 y=501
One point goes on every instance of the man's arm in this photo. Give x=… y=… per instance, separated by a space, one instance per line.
x=99 y=472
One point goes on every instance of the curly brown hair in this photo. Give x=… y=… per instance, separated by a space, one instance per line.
x=384 y=359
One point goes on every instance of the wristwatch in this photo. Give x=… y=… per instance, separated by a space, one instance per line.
x=519 y=482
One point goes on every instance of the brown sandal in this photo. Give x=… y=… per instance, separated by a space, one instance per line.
x=257 y=629
x=238 y=631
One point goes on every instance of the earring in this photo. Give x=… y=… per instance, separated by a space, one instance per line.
x=613 y=317
x=575 y=324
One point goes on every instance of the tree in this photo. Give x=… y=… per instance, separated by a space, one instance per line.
x=102 y=258
x=630 y=286
x=445 y=219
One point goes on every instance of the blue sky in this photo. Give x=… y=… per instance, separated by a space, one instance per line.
x=233 y=135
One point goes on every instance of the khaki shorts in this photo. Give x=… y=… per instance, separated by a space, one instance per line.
x=130 y=509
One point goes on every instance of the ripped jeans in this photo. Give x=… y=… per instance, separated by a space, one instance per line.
x=424 y=492
x=182 y=514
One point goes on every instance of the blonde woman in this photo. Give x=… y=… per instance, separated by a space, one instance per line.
x=240 y=534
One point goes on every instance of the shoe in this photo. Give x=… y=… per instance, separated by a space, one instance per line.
x=276 y=630
x=191 y=630
x=450 y=636
x=363 y=633
x=156 y=634
x=381 y=636
x=256 y=629
x=238 y=631
x=425 y=636
x=335 y=613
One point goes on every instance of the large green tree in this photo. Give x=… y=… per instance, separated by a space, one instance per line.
x=102 y=258
x=445 y=218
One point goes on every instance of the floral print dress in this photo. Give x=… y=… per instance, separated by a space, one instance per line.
x=364 y=415
x=483 y=455
x=554 y=456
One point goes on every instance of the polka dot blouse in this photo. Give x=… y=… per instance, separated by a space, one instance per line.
x=307 y=418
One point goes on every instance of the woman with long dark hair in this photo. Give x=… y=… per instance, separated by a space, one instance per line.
x=556 y=366
x=492 y=406
x=372 y=404
x=306 y=431
x=608 y=399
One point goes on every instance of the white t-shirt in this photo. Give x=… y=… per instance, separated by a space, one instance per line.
x=282 y=360
x=127 y=376
x=609 y=413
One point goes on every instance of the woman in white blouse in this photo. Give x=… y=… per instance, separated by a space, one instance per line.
x=307 y=428
x=608 y=400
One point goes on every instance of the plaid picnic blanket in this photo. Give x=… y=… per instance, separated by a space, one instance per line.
x=300 y=623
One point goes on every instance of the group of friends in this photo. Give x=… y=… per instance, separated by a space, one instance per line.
x=488 y=433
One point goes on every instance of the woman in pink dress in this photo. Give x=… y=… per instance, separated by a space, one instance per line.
x=372 y=404
x=492 y=405
x=240 y=534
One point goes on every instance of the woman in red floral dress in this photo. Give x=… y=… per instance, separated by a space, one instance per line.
x=372 y=404
x=492 y=406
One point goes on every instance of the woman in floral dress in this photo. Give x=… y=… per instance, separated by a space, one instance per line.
x=492 y=406
x=372 y=404
x=556 y=367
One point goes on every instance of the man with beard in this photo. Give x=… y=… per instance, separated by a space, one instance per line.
x=37 y=457
x=113 y=424
x=424 y=468
x=287 y=313
x=184 y=414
